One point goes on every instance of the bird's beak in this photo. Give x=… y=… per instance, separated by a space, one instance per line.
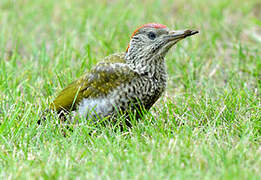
x=178 y=35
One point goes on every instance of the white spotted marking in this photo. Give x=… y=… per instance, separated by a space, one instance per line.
x=94 y=107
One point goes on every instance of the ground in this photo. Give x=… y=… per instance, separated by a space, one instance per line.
x=207 y=125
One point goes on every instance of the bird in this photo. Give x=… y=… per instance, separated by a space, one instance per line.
x=126 y=82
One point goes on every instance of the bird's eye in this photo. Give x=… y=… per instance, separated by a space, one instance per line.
x=151 y=35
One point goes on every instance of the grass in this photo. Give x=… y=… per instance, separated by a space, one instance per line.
x=206 y=126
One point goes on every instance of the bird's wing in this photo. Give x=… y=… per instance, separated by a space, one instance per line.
x=97 y=83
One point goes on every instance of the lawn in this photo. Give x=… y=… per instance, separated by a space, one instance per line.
x=207 y=125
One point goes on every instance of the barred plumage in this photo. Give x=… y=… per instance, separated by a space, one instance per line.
x=123 y=81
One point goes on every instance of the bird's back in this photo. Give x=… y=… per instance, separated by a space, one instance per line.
x=87 y=85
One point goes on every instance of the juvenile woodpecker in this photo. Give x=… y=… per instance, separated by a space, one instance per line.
x=124 y=82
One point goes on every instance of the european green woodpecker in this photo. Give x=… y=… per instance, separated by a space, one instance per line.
x=123 y=82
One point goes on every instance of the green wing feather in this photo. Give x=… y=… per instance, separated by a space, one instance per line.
x=99 y=82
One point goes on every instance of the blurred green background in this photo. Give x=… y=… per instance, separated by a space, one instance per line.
x=207 y=124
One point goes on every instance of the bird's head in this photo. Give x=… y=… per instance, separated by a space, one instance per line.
x=152 y=40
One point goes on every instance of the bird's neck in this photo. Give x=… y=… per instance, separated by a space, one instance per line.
x=153 y=66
